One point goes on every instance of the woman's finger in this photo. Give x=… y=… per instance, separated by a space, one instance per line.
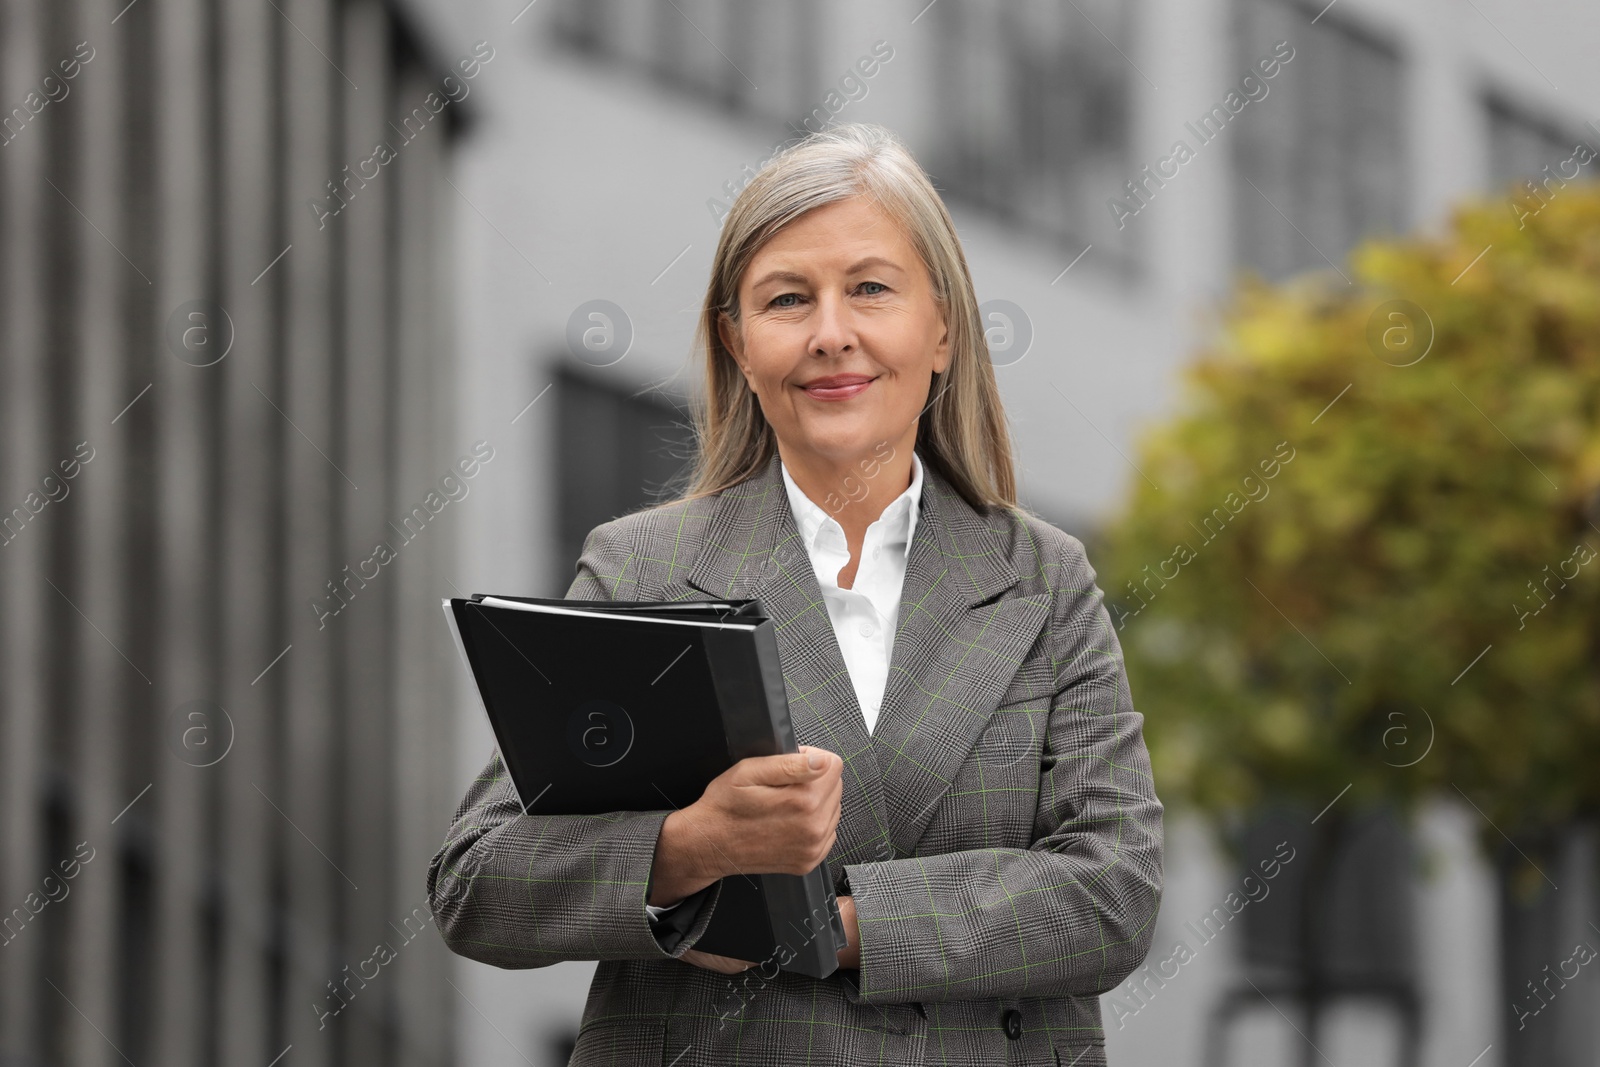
x=720 y=964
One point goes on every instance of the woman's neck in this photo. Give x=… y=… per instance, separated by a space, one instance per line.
x=854 y=493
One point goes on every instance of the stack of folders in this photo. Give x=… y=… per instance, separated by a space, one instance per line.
x=602 y=706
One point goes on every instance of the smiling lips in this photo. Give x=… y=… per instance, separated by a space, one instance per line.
x=838 y=386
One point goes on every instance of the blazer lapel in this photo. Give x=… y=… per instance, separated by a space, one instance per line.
x=957 y=646
x=753 y=550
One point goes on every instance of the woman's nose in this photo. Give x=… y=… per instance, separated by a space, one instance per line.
x=835 y=327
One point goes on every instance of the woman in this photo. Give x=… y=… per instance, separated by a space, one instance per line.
x=972 y=770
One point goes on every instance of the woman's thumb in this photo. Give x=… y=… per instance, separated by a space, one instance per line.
x=785 y=769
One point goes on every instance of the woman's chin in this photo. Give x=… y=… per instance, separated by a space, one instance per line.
x=840 y=451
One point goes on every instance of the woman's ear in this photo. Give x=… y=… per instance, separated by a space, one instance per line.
x=941 y=351
x=733 y=341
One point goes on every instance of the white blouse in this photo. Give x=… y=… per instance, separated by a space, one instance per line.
x=865 y=615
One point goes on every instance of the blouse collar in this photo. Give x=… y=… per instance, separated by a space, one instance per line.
x=900 y=516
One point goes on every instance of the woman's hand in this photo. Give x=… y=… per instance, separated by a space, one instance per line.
x=763 y=815
x=720 y=964
x=850 y=955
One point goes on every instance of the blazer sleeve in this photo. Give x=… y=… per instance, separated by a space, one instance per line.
x=528 y=890
x=1074 y=914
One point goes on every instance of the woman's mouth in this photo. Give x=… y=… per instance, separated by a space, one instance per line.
x=837 y=386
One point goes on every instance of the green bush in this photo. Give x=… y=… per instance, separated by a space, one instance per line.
x=1315 y=635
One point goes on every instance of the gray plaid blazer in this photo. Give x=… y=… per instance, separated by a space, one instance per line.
x=1000 y=831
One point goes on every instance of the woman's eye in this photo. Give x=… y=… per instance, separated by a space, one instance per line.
x=792 y=300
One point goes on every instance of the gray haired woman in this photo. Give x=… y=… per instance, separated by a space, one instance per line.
x=972 y=770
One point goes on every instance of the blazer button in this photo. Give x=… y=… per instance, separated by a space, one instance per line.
x=1011 y=1021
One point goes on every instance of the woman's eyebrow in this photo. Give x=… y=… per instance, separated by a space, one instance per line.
x=797 y=278
x=779 y=276
x=873 y=261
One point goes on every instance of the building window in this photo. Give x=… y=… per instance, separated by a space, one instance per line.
x=757 y=59
x=1534 y=155
x=1324 y=150
x=618 y=452
x=1036 y=99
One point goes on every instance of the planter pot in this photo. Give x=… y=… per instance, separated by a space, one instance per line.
x=1335 y=923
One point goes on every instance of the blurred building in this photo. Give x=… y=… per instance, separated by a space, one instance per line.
x=225 y=373
x=235 y=437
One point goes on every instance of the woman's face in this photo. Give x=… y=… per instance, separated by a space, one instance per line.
x=839 y=334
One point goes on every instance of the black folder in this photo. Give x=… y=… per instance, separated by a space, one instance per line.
x=602 y=706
